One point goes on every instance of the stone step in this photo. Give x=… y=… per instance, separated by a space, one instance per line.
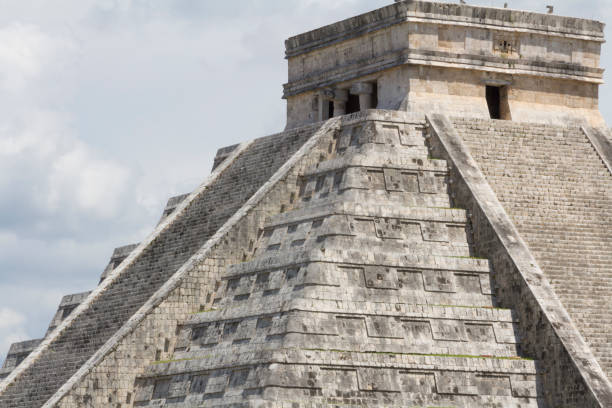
x=559 y=194
x=350 y=258
x=349 y=331
x=379 y=156
x=365 y=210
x=472 y=379
x=362 y=325
x=397 y=198
x=409 y=283
x=345 y=358
x=473 y=296
x=372 y=399
x=304 y=229
x=321 y=185
x=362 y=308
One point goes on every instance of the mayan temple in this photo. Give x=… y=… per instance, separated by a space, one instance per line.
x=432 y=229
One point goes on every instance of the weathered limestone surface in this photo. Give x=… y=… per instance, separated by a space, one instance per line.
x=171 y=205
x=129 y=289
x=16 y=354
x=150 y=334
x=570 y=372
x=360 y=291
x=601 y=139
x=119 y=255
x=558 y=192
x=223 y=154
x=67 y=305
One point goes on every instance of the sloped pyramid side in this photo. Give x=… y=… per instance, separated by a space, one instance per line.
x=558 y=192
x=361 y=292
x=107 y=379
x=571 y=375
x=147 y=269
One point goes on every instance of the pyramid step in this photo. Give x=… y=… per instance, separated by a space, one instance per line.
x=400 y=198
x=361 y=308
x=435 y=232
x=405 y=238
x=381 y=156
x=203 y=346
x=356 y=258
x=322 y=184
x=366 y=209
x=361 y=326
x=416 y=280
x=379 y=133
x=463 y=297
x=355 y=377
x=343 y=359
x=417 y=401
x=367 y=399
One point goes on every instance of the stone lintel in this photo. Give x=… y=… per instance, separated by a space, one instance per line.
x=339 y=95
x=362 y=88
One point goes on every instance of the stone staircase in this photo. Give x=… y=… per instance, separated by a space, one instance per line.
x=558 y=192
x=128 y=287
x=363 y=291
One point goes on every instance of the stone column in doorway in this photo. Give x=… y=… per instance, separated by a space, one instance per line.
x=365 y=91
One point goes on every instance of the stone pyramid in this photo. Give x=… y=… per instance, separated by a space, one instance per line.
x=376 y=253
x=363 y=290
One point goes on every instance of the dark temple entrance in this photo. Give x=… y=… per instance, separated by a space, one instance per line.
x=494 y=101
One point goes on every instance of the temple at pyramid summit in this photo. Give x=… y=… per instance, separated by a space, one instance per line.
x=432 y=229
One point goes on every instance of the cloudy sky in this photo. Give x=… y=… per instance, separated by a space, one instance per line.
x=111 y=106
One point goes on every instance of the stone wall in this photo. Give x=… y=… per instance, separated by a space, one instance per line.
x=119 y=255
x=491 y=47
x=572 y=375
x=450 y=14
x=172 y=205
x=67 y=305
x=557 y=191
x=461 y=92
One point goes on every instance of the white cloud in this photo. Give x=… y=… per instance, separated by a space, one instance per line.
x=90 y=183
x=40 y=155
x=26 y=53
x=10 y=318
x=62 y=173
